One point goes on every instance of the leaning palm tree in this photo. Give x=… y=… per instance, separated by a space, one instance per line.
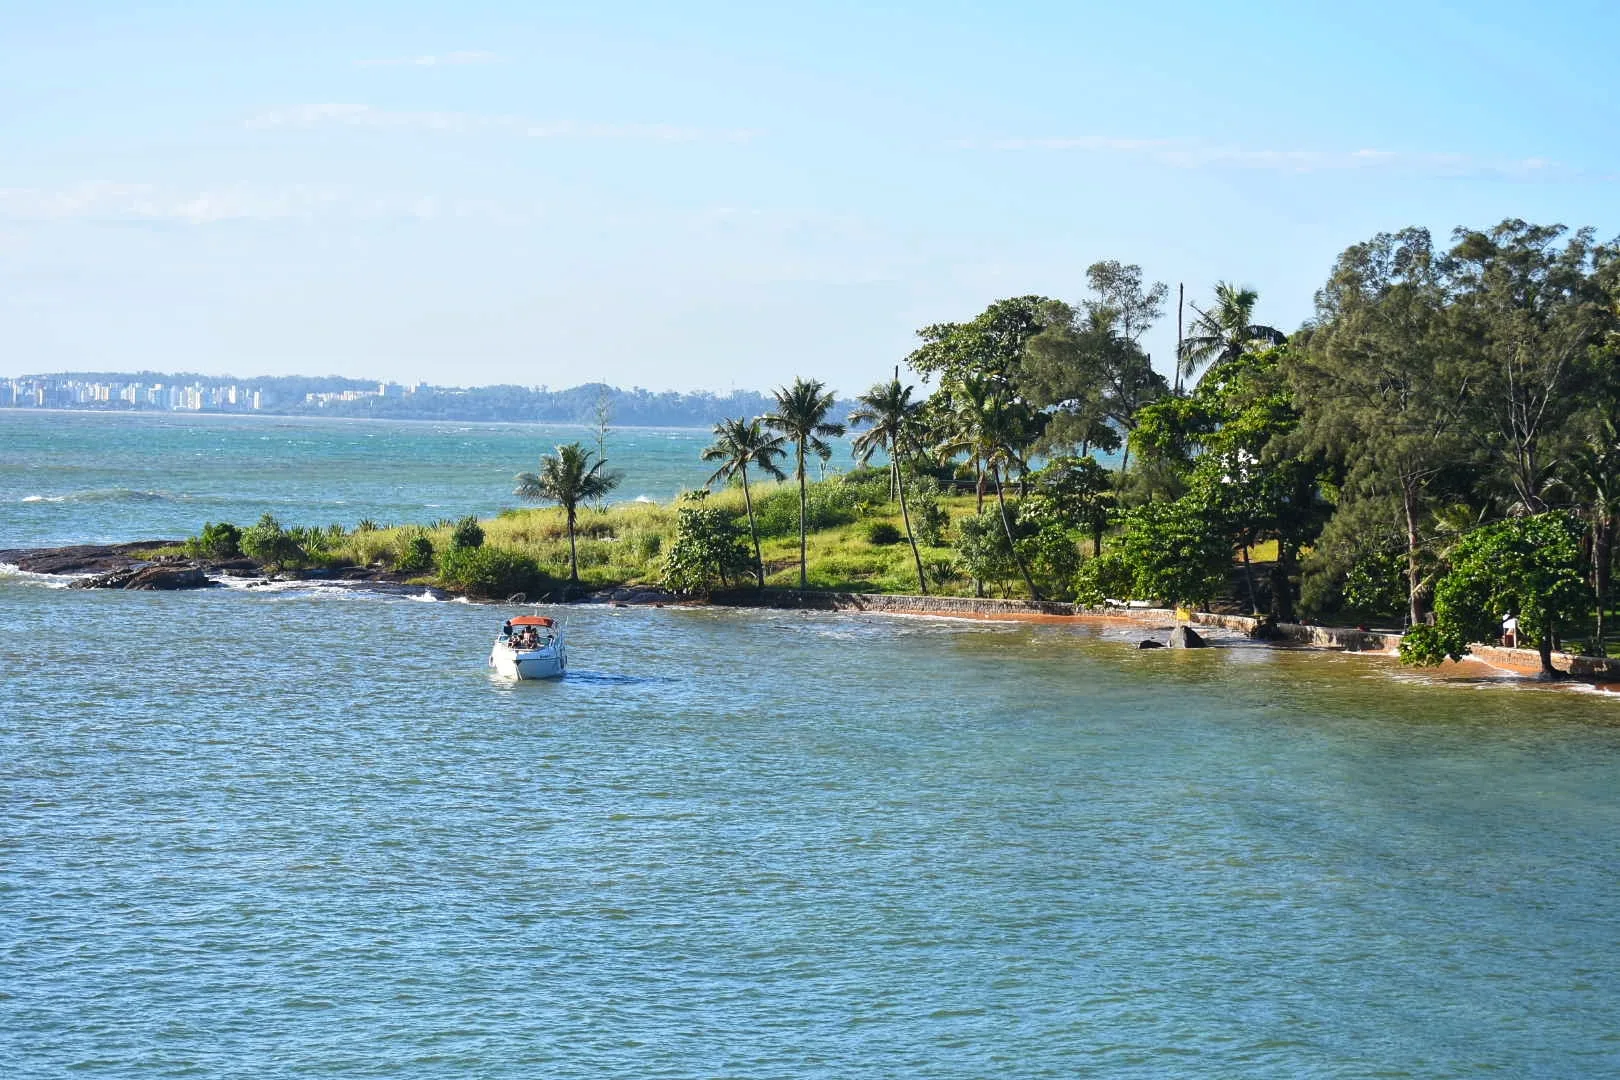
x=995 y=432
x=1224 y=332
x=801 y=415
x=888 y=408
x=737 y=445
x=568 y=478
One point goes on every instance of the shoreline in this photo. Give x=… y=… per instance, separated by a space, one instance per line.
x=114 y=566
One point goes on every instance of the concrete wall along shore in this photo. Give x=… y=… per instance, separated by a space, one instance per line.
x=1342 y=638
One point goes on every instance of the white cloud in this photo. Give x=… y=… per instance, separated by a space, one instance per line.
x=450 y=59
x=207 y=206
x=438 y=121
x=1198 y=154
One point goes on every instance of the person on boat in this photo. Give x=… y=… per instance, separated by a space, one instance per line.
x=506 y=630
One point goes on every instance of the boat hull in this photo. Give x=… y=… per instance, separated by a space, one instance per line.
x=550 y=663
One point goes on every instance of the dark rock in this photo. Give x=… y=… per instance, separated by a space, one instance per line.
x=1266 y=630
x=1185 y=637
x=631 y=594
x=82 y=558
x=1149 y=643
x=152 y=578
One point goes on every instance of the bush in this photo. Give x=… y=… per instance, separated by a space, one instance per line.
x=928 y=519
x=415 y=554
x=492 y=573
x=269 y=544
x=467 y=533
x=222 y=541
x=883 y=533
x=710 y=547
x=1106 y=577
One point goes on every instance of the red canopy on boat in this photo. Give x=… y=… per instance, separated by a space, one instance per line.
x=533 y=620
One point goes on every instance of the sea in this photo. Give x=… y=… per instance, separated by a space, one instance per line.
x=298 y=831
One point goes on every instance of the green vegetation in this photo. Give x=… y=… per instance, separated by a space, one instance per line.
x=568 y=478
x=1439 y=445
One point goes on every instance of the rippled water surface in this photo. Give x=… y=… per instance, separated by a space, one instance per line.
x=303 y=833
x=77 y=477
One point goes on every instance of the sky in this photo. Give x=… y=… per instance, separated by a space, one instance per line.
x=717 y=196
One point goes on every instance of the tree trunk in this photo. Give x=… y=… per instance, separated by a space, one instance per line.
x=1006 y=524
x=905 y=515
x=1096 y=540
x=1282 y=583
x=1248 y=580
x=804 y=505
x=1603 y=529
x=573 y=554
x=753 y=531
x=1415 y=607
x=1544 y=650
x=978 y=486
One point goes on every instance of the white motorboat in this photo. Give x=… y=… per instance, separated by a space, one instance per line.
x=530 y=647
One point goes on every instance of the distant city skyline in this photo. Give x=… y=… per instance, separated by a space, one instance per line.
x=717 y=196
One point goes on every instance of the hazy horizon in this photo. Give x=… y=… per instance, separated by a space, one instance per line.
x=718 y=197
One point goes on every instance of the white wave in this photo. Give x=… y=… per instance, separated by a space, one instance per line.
x=644 y=499
x=44 y=498
x=49 y=581
x=426 y=597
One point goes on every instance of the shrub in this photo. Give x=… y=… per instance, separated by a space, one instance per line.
x=710 y=547
x=883 y=533
x=928 y=519
x=467 y=533
x=1106 y=577
x=415 y=554
x=492 y=573
x=268 y=543
x=222 y=541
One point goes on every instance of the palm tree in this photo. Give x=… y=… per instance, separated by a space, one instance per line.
x=1225 y=332
x=568 y=478
x=801 y=415
x=738 y=444
x=995 y=432
x=888 y=408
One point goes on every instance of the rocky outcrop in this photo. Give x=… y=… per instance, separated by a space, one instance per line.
x=1185 y=637
x=1149 y=643
x=83 y=558
x=156 y=577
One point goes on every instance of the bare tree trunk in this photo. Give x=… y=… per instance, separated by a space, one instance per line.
x=573 y=552
x=1248 y=580
x=753 y=530
x=1415 y=608
x=905 y=515
x=1012 y=545
x=1282 y=583
x=1181 y=300
x=1544 y=651
x=1602 y=556
x=804 y=507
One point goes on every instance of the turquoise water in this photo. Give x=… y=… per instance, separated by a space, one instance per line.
x=69 y=477
x=300 y=832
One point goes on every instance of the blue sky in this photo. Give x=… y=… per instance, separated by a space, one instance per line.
x=717 y=195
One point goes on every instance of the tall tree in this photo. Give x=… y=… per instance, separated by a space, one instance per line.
x=568 y=478
x=1118 y=290
x=801 y=415
x=892 y=426
x=1529 y=313
x=739 y=443
x=1226 y=331
x=1378 y=386
x=1593 y=472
